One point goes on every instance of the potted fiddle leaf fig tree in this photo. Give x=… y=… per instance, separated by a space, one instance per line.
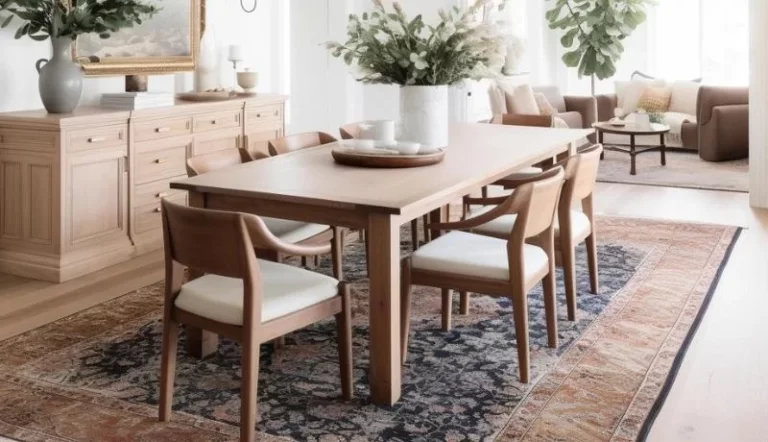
x=593 y=31
x=61 y=80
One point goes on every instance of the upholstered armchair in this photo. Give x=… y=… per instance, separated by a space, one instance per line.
x=723 y=116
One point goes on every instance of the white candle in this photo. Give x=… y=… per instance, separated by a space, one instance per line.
x=235 y=53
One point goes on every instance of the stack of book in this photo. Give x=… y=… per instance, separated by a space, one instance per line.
x=136 y=100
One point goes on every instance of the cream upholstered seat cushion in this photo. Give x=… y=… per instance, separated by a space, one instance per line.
x=285 y=290
x=501 y=226
x=293 y=231
x=468 y=254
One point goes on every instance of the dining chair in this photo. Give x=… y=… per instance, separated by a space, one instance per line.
x=241 y=297
x=574 y=224
x=292 y=143
x=352 y=131
x=300 y=233
x=503 y=267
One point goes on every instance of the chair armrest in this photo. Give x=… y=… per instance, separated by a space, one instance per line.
x=586 y=106
x=606 y=106
x=725 y=136
x=263 y=239
x=713 y=96
x=523 y=120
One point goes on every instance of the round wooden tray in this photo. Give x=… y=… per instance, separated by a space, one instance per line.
x=349 y=157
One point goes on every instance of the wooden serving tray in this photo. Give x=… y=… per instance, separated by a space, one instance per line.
x=350 y=157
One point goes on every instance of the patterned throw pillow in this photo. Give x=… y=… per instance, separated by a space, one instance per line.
x=545 y=107
x=655 y=99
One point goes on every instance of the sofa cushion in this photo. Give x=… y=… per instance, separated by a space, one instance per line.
x=498 y=101
x=545 y=107
x=521 y=100
x=655 y=99
x=573 y=119
x=553 y=95
x=628 y=93
x=685 y=95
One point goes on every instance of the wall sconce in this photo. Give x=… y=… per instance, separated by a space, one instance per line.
x=249 y=10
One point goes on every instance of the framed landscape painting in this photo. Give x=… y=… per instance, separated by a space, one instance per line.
x=166 y=43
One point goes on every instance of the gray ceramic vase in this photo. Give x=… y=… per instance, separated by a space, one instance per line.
x=61 y=79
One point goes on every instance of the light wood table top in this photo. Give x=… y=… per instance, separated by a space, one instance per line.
x=478 y=154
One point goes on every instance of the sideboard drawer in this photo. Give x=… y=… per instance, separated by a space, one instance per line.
x=160 y=164
x=96 y=138
x=152 y=193
x=261 y=114
x=218 y=120
x=150 y=217
x=157 y=129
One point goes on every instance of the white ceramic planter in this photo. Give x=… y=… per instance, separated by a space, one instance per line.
x=424 y=115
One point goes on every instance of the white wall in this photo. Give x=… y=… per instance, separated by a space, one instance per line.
x=18 y=78
x=758 y=105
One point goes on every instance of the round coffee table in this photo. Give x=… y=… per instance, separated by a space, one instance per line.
x=633 y=131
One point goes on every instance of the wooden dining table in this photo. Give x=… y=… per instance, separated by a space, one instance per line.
x=309 y=186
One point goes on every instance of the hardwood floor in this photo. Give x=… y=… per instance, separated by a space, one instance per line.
x=721 y=392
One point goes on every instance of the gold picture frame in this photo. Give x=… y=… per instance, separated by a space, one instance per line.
x=94 y=66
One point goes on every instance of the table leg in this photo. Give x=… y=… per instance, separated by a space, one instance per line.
x=384 y=262
x=200 y=343
x=600 y=140
x=632 y=154
x=663 y=150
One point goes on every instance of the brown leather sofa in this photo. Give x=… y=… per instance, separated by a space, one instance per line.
x=721 y=132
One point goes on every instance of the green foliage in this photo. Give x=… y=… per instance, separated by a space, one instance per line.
x=593 y=31
x=387 y=47
x=70 y=18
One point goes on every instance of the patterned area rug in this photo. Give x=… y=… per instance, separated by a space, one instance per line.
x=683 y=169
x=94 y=376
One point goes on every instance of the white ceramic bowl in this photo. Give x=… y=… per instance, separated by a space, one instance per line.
x=408 y=147
x=365 y=145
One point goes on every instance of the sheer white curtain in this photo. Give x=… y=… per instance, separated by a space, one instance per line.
x=681 y=40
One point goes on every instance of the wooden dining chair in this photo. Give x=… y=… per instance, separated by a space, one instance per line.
x=508 y=267
x=300 y=233
x=352 y=131
x=574 y=224
x=241 y=297
x=292 y=143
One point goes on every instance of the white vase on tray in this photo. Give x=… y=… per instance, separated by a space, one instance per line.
x=424 y=115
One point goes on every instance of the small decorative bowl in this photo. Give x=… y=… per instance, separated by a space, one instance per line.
x=248 y=81
x=408 y=147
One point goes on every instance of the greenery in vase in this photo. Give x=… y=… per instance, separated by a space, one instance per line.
x=387 y=47
x=69 y=18
x=594 y=30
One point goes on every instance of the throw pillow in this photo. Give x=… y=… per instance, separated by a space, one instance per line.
x=655 y=99
x=685 y=96
x=628 y=92
x=522 y=101
x=498 y=101
x=545 y=107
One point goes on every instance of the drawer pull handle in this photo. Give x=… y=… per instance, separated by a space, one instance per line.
x=161 y=130
x=258 y=115
x=162 y=195
x=277 y=113
x=158 y=210
x=161 y=160
x=96 y=139
x=214 y=122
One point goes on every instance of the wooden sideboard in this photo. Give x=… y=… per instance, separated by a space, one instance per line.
x=80 y=192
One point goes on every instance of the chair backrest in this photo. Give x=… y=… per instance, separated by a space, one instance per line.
x=581 y=175
x=351 y=131
x=543 y=199
x=523 y=120
x=293 y=143
x=218 y=160
x=208 y=241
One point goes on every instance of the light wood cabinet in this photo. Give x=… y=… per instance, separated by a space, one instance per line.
x=81 y=192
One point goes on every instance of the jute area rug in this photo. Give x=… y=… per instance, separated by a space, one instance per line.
x=683 y=169
x=94 y=376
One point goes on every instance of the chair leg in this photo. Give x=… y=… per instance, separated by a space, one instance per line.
x=592 y=258
x=367 y=256
x=427 y=235
x=304 y=261
x=447 y=295
x=337 y=248
x=405 y=307
x=249 y=389
x=464 y=303
x=569 y=273
x=415 y=234
x=550 y=306
x=279 y=342
x=168 y=366
x=520 y=313
x=344 y=331
x=316 y=261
